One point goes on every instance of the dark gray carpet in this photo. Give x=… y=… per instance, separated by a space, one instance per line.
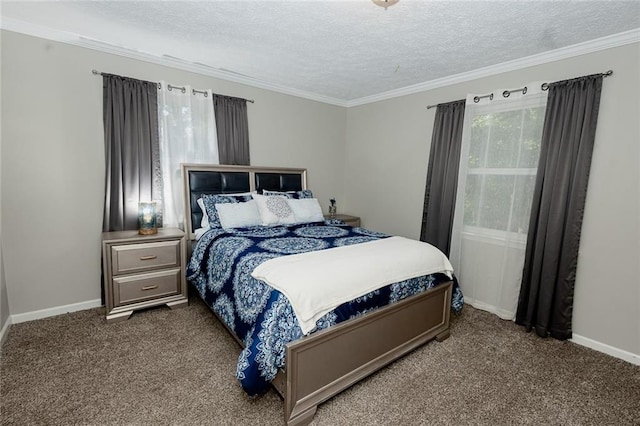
x=164 y=367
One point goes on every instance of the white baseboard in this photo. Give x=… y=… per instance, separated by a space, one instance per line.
x=577 y=339
x=5 y=331
x=58 y=310
x=604 y=348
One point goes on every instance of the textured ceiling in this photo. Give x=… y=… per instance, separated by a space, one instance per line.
x=343 y=50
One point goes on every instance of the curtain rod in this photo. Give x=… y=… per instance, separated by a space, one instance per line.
x=506 y=93
x=182 y=88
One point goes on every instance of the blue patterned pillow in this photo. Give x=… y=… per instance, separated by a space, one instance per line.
x=210 y=202
x=306 y=193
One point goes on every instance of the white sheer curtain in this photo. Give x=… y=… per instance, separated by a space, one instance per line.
x=187 y=135
x=498 y=164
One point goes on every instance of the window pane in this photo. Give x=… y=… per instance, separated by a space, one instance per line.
x=505 y=137
x=472 y=200
x=522 y=203
x=496 y=202
x=531 y=136
x=479 y=135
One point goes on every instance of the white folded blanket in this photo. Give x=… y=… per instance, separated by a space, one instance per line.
x=319 y=281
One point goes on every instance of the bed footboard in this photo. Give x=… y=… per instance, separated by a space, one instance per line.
x=323 y=364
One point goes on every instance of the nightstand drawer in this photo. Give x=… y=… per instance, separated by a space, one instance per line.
x=139 y=257
x=135 y=288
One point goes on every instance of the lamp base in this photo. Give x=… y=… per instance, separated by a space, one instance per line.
x=147 y=231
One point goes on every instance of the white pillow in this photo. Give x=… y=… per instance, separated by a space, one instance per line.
x=306 y=210
x=204 y=223
x=238 y=215
x=274 y=210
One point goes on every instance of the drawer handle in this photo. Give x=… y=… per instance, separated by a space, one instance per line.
x=149 y=287
x=148 y=257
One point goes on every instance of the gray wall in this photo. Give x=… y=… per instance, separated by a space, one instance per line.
x=53 y=159
x=391 y=139
x=4 y=301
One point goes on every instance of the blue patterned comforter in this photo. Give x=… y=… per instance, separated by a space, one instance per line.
x=220 y=270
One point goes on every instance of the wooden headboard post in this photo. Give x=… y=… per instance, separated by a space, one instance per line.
x=201 y=179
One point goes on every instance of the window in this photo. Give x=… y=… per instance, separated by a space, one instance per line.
x=187 y=135
x=498 y=165
x=502 y=158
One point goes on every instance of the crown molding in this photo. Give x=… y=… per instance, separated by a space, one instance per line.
x=615 y=40
x=164 y=60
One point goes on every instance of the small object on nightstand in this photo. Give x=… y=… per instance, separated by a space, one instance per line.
x=141 y=271
x=147 y=218
x=348 y=219
x=332 y=208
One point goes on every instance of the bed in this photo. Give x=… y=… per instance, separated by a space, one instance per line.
x=307 y=362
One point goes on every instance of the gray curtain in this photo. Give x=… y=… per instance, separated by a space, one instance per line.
x=546 y=294
x=442 y=175
x=233 y=130
x=130 y=113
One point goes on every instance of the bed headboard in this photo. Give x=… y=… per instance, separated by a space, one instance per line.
x=200 y=179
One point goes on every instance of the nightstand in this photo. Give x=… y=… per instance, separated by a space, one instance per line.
x=141 y=271
x=348 y=219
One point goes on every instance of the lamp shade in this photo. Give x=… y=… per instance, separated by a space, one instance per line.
x=147 y=218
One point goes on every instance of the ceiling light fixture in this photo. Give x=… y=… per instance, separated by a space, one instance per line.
x=385 y=3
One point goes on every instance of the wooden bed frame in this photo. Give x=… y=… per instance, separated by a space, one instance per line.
x=325 y=363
